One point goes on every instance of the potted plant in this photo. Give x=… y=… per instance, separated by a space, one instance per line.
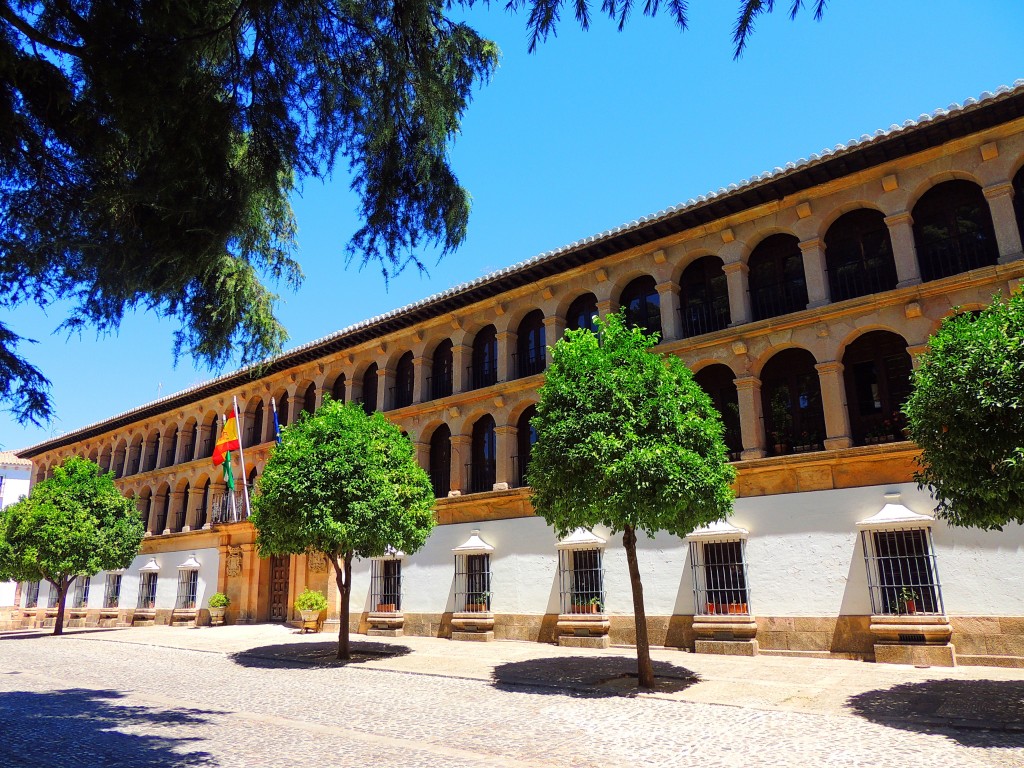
x=218 y=604
x=595 y=605
x=310 y=604
x=908 y=597
x=476 y=602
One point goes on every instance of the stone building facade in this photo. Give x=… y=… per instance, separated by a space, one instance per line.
x=800 y=298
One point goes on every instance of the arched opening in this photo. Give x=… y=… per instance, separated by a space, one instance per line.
x=791 y=402
x=526 y=436
x=203 y=513
x=309 y=400
x=531 y=346
x=134 y=456
x=440 y=381
x=104 y=461
x=283 y=409
x=209 y=436
x=581 y=313
x=182 y=515
x=642 y=304
x=370 y=384
x=953 y=230
x=777 y=283
x=190 y=436
x=251 y=480
x=1018 y=200
x=338 y=388
x=441 y=461
x=858 y=255
x=719 y=382
x=877 y=369
x=170 y=447
x=118 y=461
x=144 y=503
x=484 y=367
x=163 y=501
x=254 y=432
x=405 y=380
x=151 y=451
x=704 y=297
x=482 y=466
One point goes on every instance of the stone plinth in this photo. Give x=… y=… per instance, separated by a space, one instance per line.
x=473 y=626
x=385 y=623
x=583 y=630
x=913 y=639
x=726 y=647
x=728 y=634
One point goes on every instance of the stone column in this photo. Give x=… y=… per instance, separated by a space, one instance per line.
x=815 y=272
x=385 y=389
x=505 y=441
x=833 y=401
x=554 y=327
x=421 y=370
x=294 y=405
x=748 y=395
x=178 y=498
x=506 y=356
x=355 y=388
x=423 y=455
x=461 y=448
x=671 y=319
x=607 y=307
x=904 y=251
x=461 y=355
x=318 y=395
x=156 y=504
x=1004 y=219
x=739 y=293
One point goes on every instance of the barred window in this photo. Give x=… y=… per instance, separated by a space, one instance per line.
x=81 y=596
x=582 y=580
x=188 y=586
x=902 y=574
x=386 y=584
x=51 y=597
x=31 y=594
x=473 y=583
x=147 y=590
x=718 y=557
x=112 y=590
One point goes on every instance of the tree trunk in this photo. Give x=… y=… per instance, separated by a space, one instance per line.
x=645 y=672
x=62 y=594
x=343 y=577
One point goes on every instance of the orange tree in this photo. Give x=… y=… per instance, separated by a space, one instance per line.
x=628 y=440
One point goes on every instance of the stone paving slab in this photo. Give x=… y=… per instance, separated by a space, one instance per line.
x=142 y=697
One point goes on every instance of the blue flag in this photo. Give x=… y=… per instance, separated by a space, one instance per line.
x=277 y=427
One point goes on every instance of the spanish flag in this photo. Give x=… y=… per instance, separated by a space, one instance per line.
x=228 y=441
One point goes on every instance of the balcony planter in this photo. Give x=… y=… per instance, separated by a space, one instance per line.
x=386 y=608
x=737 y=608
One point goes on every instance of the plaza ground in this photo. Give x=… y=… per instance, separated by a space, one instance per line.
x=267 y=696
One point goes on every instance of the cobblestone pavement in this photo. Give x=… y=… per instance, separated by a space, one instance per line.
x=269 y=698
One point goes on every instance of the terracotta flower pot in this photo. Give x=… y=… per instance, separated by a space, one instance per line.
x=737 y=607
x=385 y=607
x=911 y=606
x=712 y=608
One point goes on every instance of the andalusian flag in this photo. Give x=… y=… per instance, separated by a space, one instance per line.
x=228 y=441
x=229 y=476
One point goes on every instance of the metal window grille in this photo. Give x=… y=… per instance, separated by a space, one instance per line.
x=386 y=584
x=903 y=576
x=188 y=585
x=581 y=580
x=31 y=594
x=473 y=583
x=147 y=590
x=112 y=590
x=226 y=510
x=720 y=577
x=51 y=597
x=81 y=596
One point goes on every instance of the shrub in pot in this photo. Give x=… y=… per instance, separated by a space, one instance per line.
x=310 y=604
x=218 y=603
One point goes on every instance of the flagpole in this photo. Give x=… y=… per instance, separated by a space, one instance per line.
x=231 y=497
x=241 y=458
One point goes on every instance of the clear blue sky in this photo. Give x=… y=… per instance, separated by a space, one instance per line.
x=593 y=130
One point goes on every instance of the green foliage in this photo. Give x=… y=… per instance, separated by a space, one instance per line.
x=311 y=600
x=76 y=523
x=342 y=482
x=626 y=437
x=966 y=412
x=219 y=600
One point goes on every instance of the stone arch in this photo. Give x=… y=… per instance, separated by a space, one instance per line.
x=405 y=380
x=642 y=303
x=777 y=283
x=484 y=357
x=689 y=258
x=169 y=446
x=483 y=454
x=824 y=223
x=336 y=385
x=718 y=380
x=953 y=230
x=441 y=379
x=531 y=344
x=208 y=434
x=162 y=508
x=306 y=396
x=704 y=296
x=859 y=255
x=439 y=459
x=189 y=439
x=876 y=370
x=144 y=503
x=105 y=457
x=791 y=401
x=151 y=451
x=254 y=422
x=732 y=363
x=582 y=305
x=928 y=183
x=751 y=243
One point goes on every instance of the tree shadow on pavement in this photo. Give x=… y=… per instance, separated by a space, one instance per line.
x=976 y=713
x=321 y=653
x=34 y=634
x=87 y=729
x=588 y=676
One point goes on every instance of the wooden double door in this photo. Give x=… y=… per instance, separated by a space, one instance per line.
x=280 y=565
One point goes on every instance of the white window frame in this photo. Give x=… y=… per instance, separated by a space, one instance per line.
x=718 y=560
x=80 y=598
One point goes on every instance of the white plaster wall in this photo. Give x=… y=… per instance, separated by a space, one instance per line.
x=15 y=486
x=167 y=579
x=7 y=590
x=804 y=558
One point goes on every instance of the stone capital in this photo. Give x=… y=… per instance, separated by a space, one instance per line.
x=736 y=266
x=747 y=382
x=813 y=244
x=993 y=191
x=831 y=366
x=903 y=217
x=667 y=288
